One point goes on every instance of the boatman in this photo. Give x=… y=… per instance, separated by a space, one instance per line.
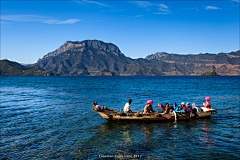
x=127 y=106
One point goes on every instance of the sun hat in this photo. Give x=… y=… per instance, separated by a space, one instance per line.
x=208 y=98
x=150 y=102
x=188 y=104
x=182 y=103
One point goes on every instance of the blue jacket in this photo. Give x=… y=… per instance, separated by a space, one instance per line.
x=176 y=106
x=181 y=110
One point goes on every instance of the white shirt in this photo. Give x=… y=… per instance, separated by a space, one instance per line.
x=126 y=107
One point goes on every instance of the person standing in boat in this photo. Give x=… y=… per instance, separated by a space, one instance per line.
x=127 y=106
x=206 y=105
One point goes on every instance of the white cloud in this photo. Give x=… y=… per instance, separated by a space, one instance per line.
x=163 y=13
x=69 y=21
x=143 y=4
x=22 y=18
x=236 y=0
x=37 y=18
x=94 y=2
x=162 y=6
x=164 y=9
x=212 y=7
x=120 y=10
x=138 y=15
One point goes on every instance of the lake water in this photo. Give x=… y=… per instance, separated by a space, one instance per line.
x=52 y=118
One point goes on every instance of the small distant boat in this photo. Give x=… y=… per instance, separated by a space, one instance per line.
x=112 y=115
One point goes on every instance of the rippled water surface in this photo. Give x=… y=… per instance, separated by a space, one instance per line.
x=52 y=118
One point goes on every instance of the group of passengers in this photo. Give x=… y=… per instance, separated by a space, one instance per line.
x=166 y=108
x=179 y=108
x=174 y=108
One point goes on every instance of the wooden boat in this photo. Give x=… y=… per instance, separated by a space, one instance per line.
x=112 y=115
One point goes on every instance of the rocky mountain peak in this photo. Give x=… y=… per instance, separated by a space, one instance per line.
x=96 y=44
x=158 y=55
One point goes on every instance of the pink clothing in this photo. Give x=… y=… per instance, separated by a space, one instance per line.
x=150 y=102
x=208 y=98
x=207 y=105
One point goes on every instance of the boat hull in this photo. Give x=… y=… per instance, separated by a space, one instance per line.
x=112 y=115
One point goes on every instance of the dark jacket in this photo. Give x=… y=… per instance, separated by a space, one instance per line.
x=189 y=109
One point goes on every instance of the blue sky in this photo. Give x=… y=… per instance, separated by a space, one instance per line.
x=31 y=29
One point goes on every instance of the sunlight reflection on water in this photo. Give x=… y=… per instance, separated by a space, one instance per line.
x=51 y=118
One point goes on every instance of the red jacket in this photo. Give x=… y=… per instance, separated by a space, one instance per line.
x=184 y=108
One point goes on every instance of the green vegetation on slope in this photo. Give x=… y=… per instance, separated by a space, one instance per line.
x=9 y=68
x=99 y=58
x=213 y=73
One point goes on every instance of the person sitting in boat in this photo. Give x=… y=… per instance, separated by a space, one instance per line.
x=171 y=109
x=148 y=108
x=189 y=108
x=195 y=108
x=165 y=108
x=179 y=109
x=168 y=110
x=183 y=106
x=206 y=105
x=95 y=105
x=166 y=105
x=175 y=106
x=127 y=106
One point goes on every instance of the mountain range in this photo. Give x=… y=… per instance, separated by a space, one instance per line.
x=94 y=57
x=9 y=68
x=97 y=58
x=222 y=63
